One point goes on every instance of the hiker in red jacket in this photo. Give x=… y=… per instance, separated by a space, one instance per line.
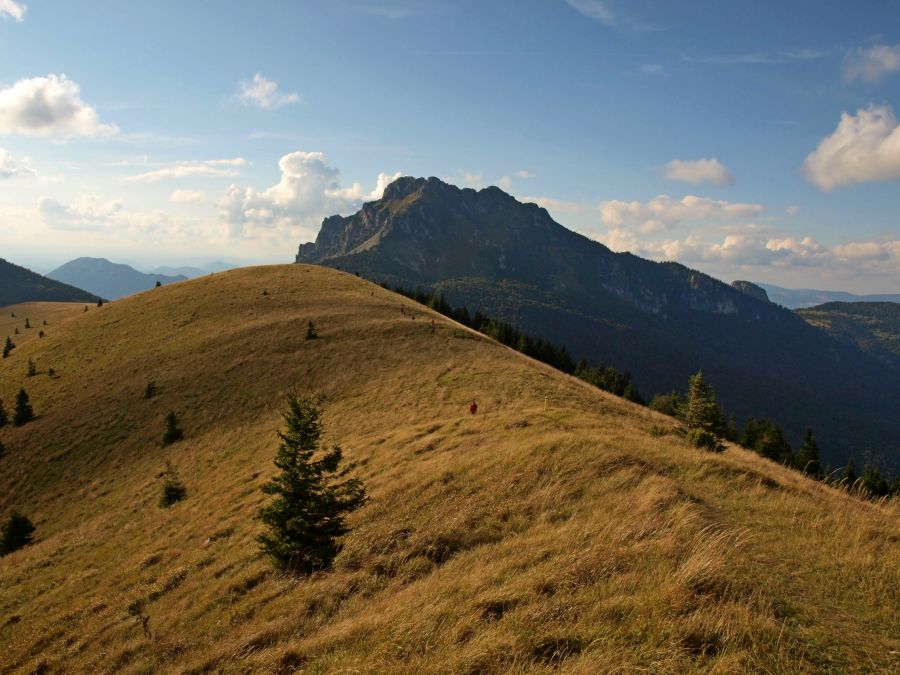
x=473 y=408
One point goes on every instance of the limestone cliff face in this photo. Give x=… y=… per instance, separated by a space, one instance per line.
x=423 y=231
x=751 y=289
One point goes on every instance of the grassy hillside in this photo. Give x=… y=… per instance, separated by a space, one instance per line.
x=560 y=527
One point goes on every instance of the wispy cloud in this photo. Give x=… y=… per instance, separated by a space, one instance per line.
x=872 y=64
x=12 y=168
x=757 y=58
x=209 y=167
x=605 y=12
x=12 y=9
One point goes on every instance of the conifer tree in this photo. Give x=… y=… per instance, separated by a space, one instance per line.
x=173 y=489
x=32 y=369
x=99 y=302
x=27 y=323
x=173 y=432
x=150 y=390
x=22 y=413
x=311 y=333
x=311 y=495
x=701 y=410
x=807 y=459
x=773 y=445
x=848 y=475
x=15 y=533
x=2 y=450
x=3 y=418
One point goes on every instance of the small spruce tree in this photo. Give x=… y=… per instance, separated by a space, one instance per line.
x=3 y=418
x=807 y=459
x=173 y=432
x=848 y=475
x=27 y=323
x=158 y=283
x=702 y=416
x=99 y=302
x=15 y=533
x=2 y=450
x=311 y=333
x=32 y=369
x=311 y=495
x=173 y=489
x=23 y=412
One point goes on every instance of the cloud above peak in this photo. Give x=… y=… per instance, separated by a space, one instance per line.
x=49 y=106
x=264 y=94
x=698 y=171
x=12 y=9
x=664 y=213
x=864 y=147
x=309 y=189
x=193 y=168
x=872 y=64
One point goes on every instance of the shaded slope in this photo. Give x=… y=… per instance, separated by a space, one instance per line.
x=561 y=526
x=18 y=284
x=660 y=321
x=874 y=327
x=108 y=279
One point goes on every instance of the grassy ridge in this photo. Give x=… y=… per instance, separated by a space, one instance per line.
x=560 y=526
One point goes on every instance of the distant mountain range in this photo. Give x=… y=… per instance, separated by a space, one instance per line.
x=660 y=321
x=190 y=271
x=18 y=284
x=107 y=279
x=795 y=298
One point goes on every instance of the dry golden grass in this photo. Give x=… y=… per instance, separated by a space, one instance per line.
x=559 y=529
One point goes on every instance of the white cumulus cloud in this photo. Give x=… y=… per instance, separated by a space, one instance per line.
x=264 y=94
x=49 y=106
x=11 y=168
x=872 y=64
x=698 y=171
x=309 y=190
x=14 y=10
x=192 y=168
x=187 y=196
x=865 y=147
x=663 y=212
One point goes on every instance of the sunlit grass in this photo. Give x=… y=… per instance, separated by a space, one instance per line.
x=560 y=527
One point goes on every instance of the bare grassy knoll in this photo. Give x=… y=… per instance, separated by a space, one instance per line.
x=560 y=528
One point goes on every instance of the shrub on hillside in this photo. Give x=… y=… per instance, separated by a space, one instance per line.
x=15 y=534
x=311 y=333
x=32 y=369
x=173 y=432
x=312 y=494
x=668 y=404
x=173 y=489
x=23 y=412
x=705 y=440
x=3 y=418
x=150 y=390
x=8 y=347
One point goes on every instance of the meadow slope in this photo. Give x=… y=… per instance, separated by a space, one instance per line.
x=559 y=529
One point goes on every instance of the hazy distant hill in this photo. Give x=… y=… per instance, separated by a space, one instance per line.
x=191 y=272
x=18 y=284
x=795 y=298
x=660 y=321
x=108 y=279
x=559 y=530
x=872 y=326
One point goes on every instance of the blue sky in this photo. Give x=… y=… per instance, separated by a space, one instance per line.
x=751 y=140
